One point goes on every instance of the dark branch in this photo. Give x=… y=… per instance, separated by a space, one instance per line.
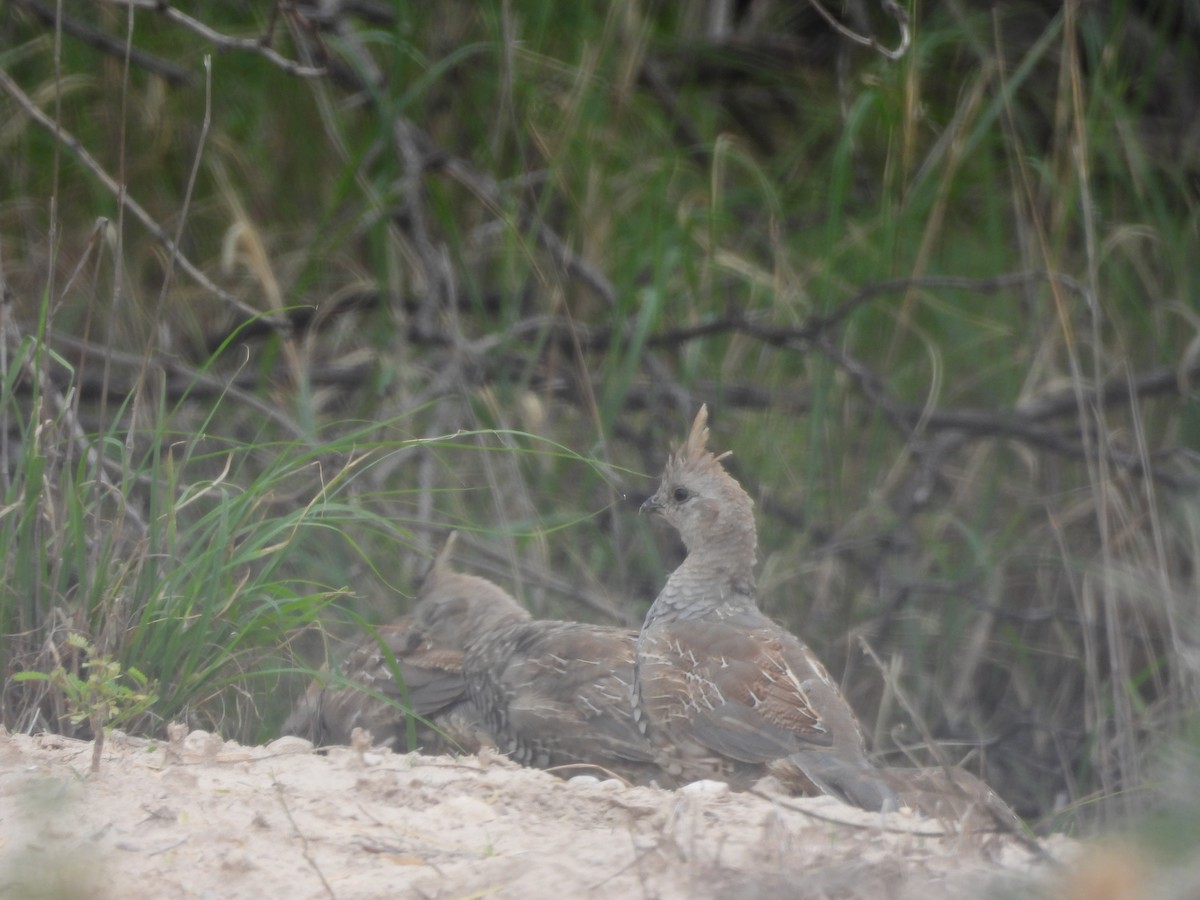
x=106 y=43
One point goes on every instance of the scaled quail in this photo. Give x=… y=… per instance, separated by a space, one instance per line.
x=721 y=690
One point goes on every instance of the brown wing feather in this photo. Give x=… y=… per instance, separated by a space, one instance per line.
x=732 y=690
x=557 y=693
x=434 y=688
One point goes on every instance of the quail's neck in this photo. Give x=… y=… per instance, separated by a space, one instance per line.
x=720 y=578
x=730 y=550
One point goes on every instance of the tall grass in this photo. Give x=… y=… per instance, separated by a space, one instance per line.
x=1029 y=586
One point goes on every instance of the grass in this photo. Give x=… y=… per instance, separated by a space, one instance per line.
x=206 y=516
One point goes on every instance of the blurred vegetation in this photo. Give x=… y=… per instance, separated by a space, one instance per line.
x=475 y=265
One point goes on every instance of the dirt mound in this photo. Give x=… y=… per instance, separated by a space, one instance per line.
x=209 y=818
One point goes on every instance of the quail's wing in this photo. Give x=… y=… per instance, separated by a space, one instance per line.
x=432 y=675
x=742 y=693
x=587 y=677
x=559 y=692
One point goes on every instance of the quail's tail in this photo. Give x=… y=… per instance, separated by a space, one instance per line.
x=852 y=780
x=953 y=795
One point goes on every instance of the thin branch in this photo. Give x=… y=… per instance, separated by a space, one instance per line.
x=106 y=43
x=66 y=414
x=487 y=190
x=1027 y=423
x=1019 y=425
x=799 y=337
x=304 y=848
x=893 y=9
x=191 y=382
x=224 y=41
x=68 y=140
x=437 y=291
x=202 y=139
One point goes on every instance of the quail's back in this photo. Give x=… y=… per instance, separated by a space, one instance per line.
x=557 y=694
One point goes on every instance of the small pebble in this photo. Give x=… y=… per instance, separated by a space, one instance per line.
x=706 y=788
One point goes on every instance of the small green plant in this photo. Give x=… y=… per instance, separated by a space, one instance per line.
x=104 y=698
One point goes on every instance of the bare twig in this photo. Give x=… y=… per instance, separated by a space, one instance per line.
x=438 y=290
x=1022 y=425
x=66 y=413
x=224 y=41
x=917 y=827
x=798 y=337
x=205 y=125
x=106 y=43
x=304 y=851
x=893 y=9
x=68 y=140
x=932 y=745
x=487 y=190
x=1028 y=423
x=193 y=382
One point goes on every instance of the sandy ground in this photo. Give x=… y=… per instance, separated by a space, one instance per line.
x=214 y=819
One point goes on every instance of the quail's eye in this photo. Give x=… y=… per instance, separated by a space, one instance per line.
x=680 y=494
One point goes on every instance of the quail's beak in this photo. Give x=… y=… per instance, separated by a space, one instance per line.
x=651 y=505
